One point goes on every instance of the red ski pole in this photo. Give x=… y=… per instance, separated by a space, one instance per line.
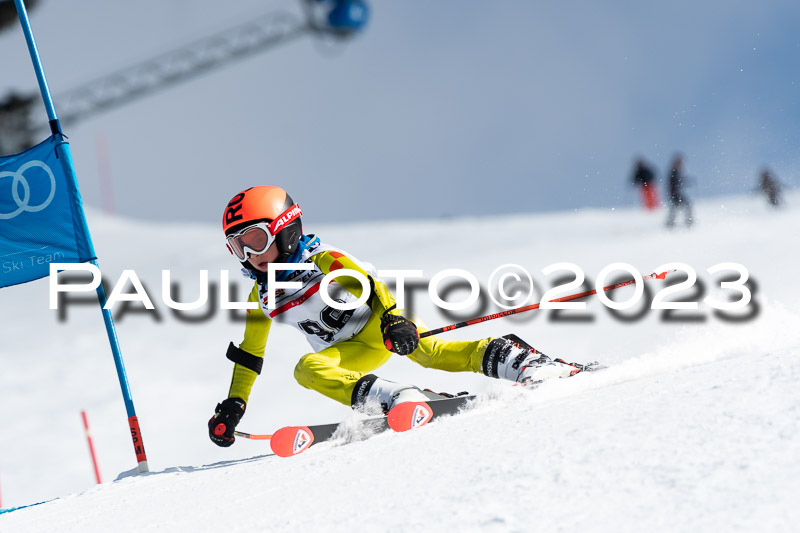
x=518 y=310
x=251 y=436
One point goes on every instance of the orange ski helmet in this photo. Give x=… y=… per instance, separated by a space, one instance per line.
x=268 y=208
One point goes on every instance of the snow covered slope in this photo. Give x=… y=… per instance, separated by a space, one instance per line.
x=695 y=425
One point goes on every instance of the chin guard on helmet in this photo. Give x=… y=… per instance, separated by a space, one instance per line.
x=288 y=240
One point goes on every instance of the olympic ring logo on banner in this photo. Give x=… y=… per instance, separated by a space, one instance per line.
x=18 y=179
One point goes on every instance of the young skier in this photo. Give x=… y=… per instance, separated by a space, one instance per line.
x=262 y=226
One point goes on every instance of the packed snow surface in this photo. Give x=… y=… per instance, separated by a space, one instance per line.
x=695 y=425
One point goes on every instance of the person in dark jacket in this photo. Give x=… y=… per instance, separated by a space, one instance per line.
x=645 y=178
x=677 y=198
x=770 y=187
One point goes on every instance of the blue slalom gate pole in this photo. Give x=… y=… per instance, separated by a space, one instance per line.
x=63 y=152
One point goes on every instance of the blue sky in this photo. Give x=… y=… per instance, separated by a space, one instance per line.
x=440 y=109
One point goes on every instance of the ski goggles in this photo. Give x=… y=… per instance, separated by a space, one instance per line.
x=257 y=238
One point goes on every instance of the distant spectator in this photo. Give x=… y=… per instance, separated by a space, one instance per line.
x=645 y=179
x=771 y=187
x=677 y=198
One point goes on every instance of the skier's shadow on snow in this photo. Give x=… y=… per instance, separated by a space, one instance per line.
x=224 y=464
x=188 y=469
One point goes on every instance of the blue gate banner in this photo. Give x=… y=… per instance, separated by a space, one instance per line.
x=41 y=214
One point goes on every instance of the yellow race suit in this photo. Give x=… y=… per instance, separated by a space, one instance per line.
x=347 y=344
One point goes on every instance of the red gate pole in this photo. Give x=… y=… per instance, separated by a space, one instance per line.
x=91 y=446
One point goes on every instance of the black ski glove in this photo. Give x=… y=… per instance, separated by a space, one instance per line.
x=222 y=424
x=399 y=334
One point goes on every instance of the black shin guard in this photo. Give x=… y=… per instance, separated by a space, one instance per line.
x=361 y=390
